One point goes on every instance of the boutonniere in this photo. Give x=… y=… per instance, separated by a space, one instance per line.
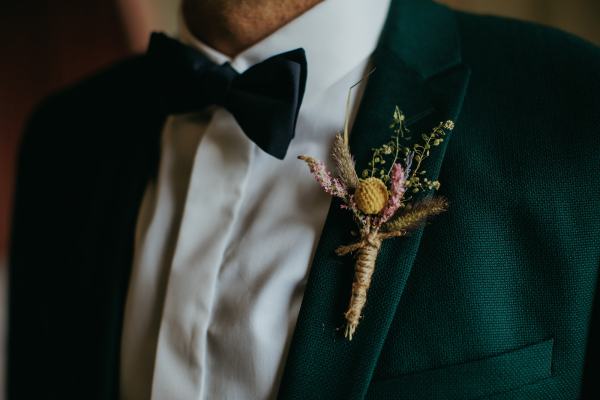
x=380 y=198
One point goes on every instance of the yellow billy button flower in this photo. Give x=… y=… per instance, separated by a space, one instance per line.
x=371 y=195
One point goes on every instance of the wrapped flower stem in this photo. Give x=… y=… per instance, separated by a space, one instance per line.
x=363 y=272
x=367 y=250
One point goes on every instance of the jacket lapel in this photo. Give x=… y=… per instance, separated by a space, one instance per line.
x=418 y=68
x=108 y=242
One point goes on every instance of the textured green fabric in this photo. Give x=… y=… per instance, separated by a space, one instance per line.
x=499 y=373
x=494 y=297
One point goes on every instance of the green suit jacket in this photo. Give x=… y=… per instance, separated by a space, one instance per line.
x=493 y=299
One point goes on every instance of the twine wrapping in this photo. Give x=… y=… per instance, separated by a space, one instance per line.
x=368 y=249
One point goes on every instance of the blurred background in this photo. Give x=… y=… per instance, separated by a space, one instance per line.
x=48 y=44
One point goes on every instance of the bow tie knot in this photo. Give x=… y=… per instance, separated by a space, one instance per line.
x=264 y=100
x=217 y=81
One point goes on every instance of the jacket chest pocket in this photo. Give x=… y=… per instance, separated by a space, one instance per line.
x=472 y=379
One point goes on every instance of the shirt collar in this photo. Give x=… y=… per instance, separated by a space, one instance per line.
x=336 y=35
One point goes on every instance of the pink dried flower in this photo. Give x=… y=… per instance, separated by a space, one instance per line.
x=328 y=183
x=397 y=188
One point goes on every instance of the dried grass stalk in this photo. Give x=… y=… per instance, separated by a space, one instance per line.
x=344 y=162
x=413 y=217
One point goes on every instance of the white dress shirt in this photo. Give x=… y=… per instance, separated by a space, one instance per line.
x=226 y=234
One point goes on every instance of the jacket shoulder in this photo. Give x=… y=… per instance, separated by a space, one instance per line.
x=109 y=87
x=519 y=34
x=65 y=118
x=522 y=44
x=527 y=60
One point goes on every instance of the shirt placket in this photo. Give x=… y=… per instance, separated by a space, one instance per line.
x=215 y=192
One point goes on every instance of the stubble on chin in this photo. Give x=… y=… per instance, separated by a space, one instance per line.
x=233 y=25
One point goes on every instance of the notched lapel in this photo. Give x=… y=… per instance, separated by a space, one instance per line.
x=428 y=83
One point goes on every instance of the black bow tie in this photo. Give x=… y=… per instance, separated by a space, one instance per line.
x=264 y=100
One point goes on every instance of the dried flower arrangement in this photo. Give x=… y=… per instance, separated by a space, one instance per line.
x=378 y=198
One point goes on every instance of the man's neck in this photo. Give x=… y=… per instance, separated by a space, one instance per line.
x=231 y=26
